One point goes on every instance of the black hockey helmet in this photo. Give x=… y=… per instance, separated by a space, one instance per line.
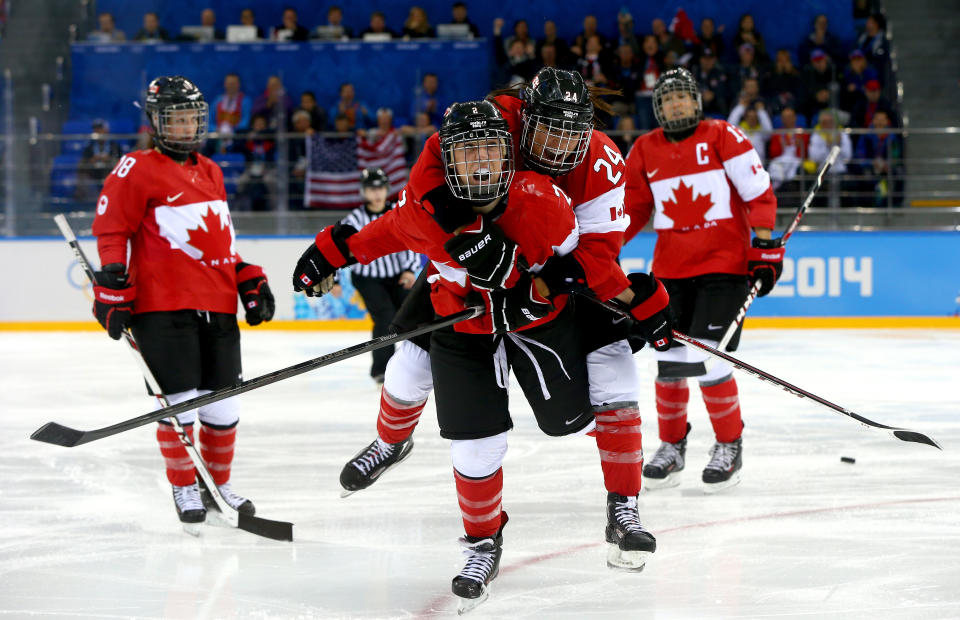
x=374 y=177
x=677 y=80
x=477 y=151
x=557 y=121
x=177 y=113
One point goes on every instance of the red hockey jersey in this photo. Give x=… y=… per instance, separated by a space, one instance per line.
x=182 y=242
x=537 y=217
x=705 y=193
x=595 y=189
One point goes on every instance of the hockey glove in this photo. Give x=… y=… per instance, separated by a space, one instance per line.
x=113 y=299
x=316 y=267
x=765 y=263
x=255 y=295
x=513 y=308
x=492 y=261
x=563 y=274
x=650 y=308
x=448 y=211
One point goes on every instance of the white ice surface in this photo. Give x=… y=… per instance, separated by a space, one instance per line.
x=91 y=531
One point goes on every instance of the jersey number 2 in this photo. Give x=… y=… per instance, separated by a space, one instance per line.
x=615 y=160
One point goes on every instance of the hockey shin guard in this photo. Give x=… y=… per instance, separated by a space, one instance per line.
x=621 y=449
x=216 y=447
x=672 y=397
x=480 y=503
x=180 y=470
x=723 y=405
x=397 y=418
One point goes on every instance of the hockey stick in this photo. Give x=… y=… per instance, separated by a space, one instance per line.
x=755 y=288
x=276 y=530
x=900 y=433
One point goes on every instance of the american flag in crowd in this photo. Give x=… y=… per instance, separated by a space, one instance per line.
x=333 y=174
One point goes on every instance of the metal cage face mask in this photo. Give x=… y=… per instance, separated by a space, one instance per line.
x=478 y=164
x=553 y=146
x=679 y=124
x=181 y=127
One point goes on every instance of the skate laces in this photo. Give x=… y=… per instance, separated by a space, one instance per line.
x=229 y=496
x=481 y=556
x=372 y=456
x=626 y=514
x=188 y=497
x=722 y=456
x=666 y=454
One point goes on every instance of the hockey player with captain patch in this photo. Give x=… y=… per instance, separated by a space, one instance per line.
x=177 y=290
x=705 y=188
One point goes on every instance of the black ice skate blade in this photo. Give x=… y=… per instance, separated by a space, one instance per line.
x=466 y=605
x=712 y=488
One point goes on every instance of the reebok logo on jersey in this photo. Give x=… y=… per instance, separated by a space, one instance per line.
x=172 y=198
x=476 y=248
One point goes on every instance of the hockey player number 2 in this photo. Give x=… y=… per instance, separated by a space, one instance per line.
x=615 y=160
x=123 y=166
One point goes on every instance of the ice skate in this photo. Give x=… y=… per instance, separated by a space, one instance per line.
x=189 y=505
x=629 y=543
x=372 y=462
x=472 y=585
x=663 y=470
x=723 y=470
x=237 y=502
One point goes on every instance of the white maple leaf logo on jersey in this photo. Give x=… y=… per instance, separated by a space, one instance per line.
x=202 y=230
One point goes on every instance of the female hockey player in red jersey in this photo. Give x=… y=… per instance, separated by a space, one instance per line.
x=705 y=187
x=177 y=290
x=533 y=221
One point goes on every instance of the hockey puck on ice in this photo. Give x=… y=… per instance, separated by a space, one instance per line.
x=848 y=459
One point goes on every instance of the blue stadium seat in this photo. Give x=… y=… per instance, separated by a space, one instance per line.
x=75 y=146
x=63 y=176
x=232 y=165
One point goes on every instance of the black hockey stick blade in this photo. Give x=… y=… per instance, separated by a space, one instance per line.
x=60 y=435
x=915 y=437
x=274 y=530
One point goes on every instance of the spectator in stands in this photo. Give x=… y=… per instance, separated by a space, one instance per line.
x=826 y=133
x=651 y=66
x=231 y=110
x=819 y=80
x=855 y=77
x=418 y=25
x=247 y=18
x=665 y=39
x=625 y=76
x=383 y=127
x=872 y=102
x=748 y=68
x=259 y=149
x=290 y=28
x=458 y=14
x=873 y=42
x=318 y=116
x=378 y=25
x=417 y=134
x=561 y=49
x=711 y=36
x=713 y=84
x=521 y=32
x=880 y=155
x=784 y=87
x=821 y=38
x=748 y=33
x=151 y=31
x=862 y=9
x=589 y=29
x=515 y=65
x=750 y=114
x=208 y=18
x=626 y=35
x=297 y=157
x=787 y=152
x=592 y=65
x=335 y=20
x=108 y=32
x=548 y=57
x=274 y=104
x=356 y=112
x=97 y=160
x=627 y=134
x=427 y=100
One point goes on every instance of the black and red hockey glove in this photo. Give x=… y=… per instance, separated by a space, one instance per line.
x=563 y=274
x=492 y=261
x=765 y=262
x=255 y=294
x=315 y=270
x=113 y=299
x=513 y=308
x=650 y=308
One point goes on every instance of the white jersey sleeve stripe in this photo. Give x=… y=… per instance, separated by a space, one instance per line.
x=603 y=214
x=747 y=175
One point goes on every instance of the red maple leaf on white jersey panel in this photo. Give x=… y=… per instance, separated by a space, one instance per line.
x=202 y=230
x=685 y=209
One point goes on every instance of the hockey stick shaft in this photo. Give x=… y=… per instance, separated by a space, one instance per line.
x=900 y=433
x=277 y=530
x=755 y=285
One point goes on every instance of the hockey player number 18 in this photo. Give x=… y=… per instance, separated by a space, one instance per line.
x=123 y=166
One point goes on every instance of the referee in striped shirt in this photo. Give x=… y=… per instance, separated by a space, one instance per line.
x=383 y=284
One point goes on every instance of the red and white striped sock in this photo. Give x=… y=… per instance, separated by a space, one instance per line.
x=180 y=470
x=621 y=449
x=216 y=447
x=723 y=405
x=672 y=397
x=397 y=419
x=480 y=503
